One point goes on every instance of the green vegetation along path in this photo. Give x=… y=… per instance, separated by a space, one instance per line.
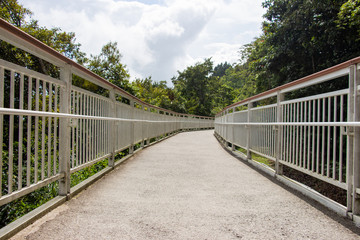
x=186 y=187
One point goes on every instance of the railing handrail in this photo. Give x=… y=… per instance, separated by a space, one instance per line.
x=317 y=135
x=15 y=33
x=22 y=112
x=272 y=92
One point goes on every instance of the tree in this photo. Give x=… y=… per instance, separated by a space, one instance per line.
x=220 y=69
x=108 y=65
x=301 y=37
x=193 y=84
x=157 y=94
x=61 y=41
x=349 y=16
x=13 y=12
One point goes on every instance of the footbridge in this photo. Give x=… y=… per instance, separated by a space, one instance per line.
x=160 y=176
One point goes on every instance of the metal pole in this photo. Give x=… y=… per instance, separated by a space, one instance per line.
x=64 y=131
x=350 y=141
x=279 y=118
x=356 y=149
x=113 y=133
x=132 y=127
x=248 y=132
x=233 y=131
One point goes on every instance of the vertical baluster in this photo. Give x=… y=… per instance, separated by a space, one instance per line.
x=272 y=119
x=55 y=131
x=29 y=128
x=77 y=107
x=341 y=139
x=328 y=139
x=268 y=119
x=297 y=134
x=81 y=132
x=262 y=135
x=287 y=134
x=73 y=111
x=43 y=120
x=293 y=133
x=97 y=129
x=49 y=129
x=11 y=133
x=108 y=149
x=90 y=127
x=21 y=125
x=290 y=133
x=334 y=138
x=102 y=132
x=2 y=80
x=267 y=141
x=93 y=128
x=313 y=138
x=87 y=128
x=305 y=136
x=302 y=144
x=318 y=138
x=323 y=138
x=309 y=137
x=274 y=132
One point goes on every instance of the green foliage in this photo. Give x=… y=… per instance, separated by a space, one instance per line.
x=85 y=173
x=202 y=90
x=21 y=206
x=14 y=13
x=107 y=65
x=300 y=37
x=194 y=85
x=349 y=16
x=157 y=94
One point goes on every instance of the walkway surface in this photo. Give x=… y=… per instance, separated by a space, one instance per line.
x=186 y=187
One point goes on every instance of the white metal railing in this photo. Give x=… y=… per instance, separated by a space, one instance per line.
x=317 y=135
x=50 y=128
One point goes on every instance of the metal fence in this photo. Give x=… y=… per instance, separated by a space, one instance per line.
x=50 y=128
x=317 y=135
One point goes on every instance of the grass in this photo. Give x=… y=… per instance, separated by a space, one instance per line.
x=257 y=157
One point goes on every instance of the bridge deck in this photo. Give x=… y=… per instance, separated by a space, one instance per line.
x=186 y=187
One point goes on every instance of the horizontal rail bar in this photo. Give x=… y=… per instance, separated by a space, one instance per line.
x=320 y=96
x=322 y=76
x=21 y=112
x=318 y=124
x=26 y=190
x=90 y=163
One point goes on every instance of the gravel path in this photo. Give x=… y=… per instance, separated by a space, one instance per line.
x=186 y=187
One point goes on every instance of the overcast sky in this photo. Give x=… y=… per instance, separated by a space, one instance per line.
x=156 y=37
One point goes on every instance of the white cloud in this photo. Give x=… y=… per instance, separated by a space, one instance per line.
x=156 y=37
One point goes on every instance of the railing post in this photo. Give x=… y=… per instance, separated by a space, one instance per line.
x=113 y=133
x=356 y=149
x=233 y=130
x=350 y=141
x=64 y=131
x=142 y=127
x=132 y=127
x=248 y=132
x=279 y=118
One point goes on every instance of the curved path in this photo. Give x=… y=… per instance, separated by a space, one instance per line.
x=186 y=187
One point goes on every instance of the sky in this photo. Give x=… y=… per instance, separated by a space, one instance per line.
x=156 y=38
